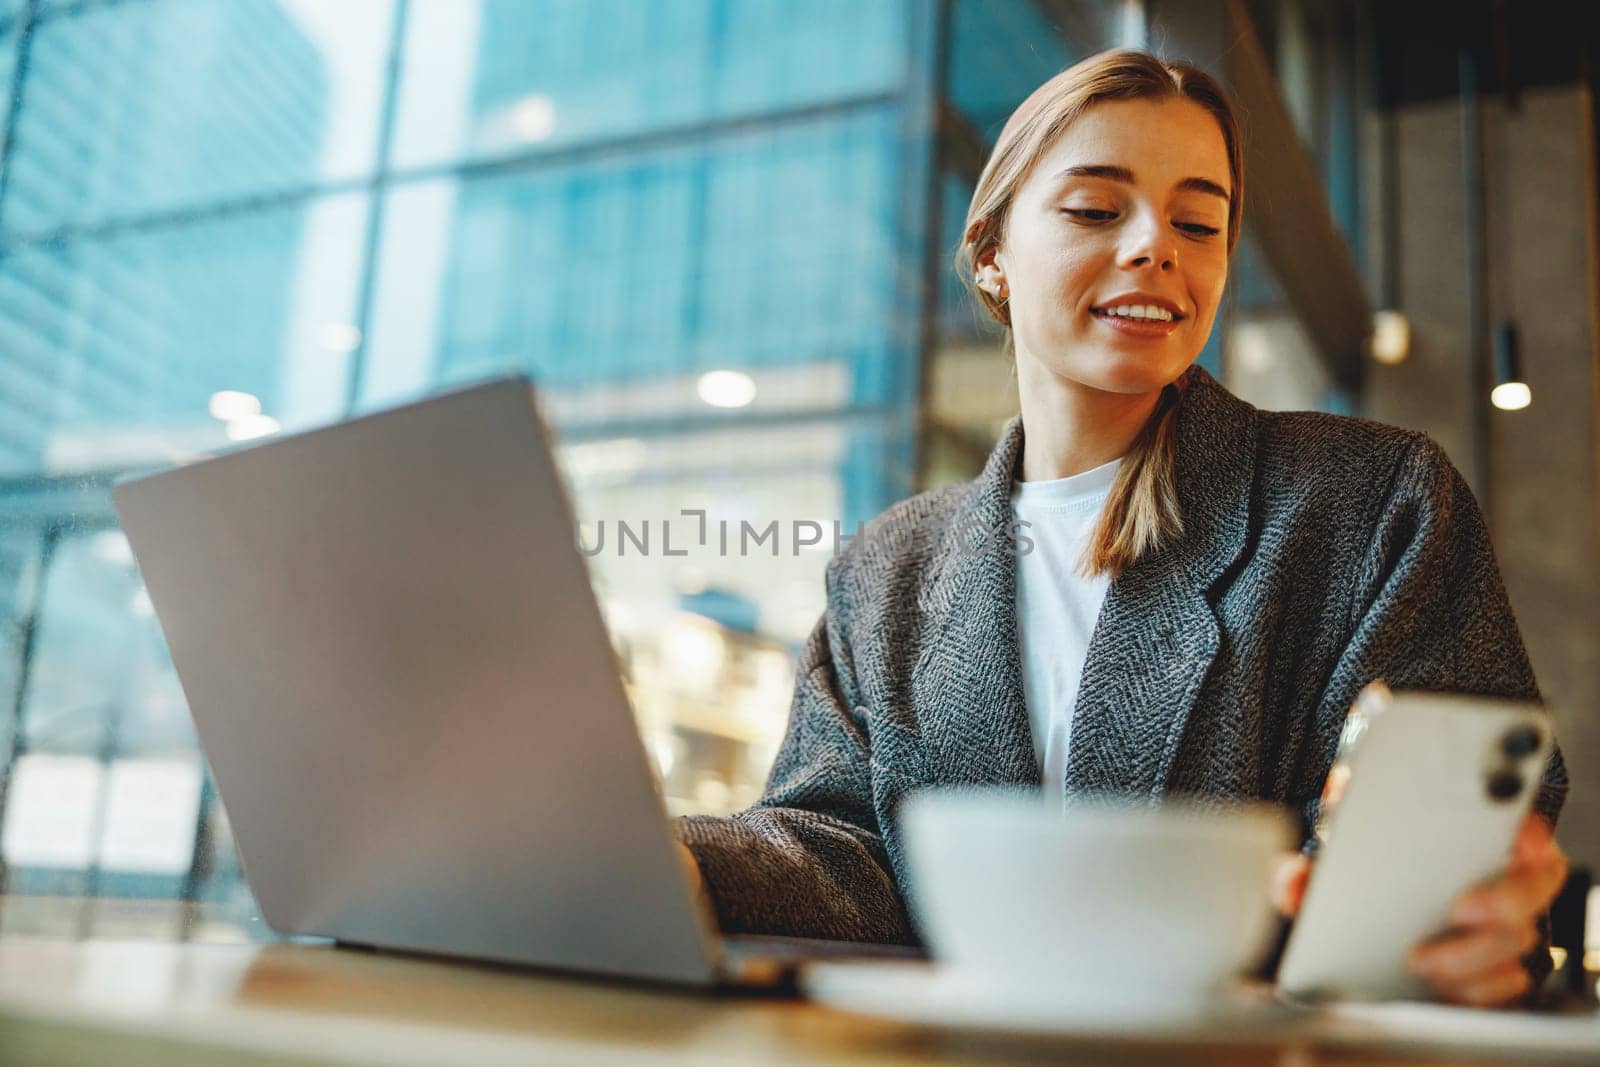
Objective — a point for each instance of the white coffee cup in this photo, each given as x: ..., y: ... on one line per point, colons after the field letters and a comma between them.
x: 1100, y: 899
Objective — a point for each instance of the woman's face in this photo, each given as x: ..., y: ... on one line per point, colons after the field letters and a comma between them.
x: 1128, y: 208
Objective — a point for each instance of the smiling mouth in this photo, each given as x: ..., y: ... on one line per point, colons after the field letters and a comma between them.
x: 1153, y: 327
x: 1146, y: 313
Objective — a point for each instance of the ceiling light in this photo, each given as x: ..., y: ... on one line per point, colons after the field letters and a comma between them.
x: 1511, y: 396
x: 1511, y: 392
x: 1391, y: 337
x: 533, y: 118
x: 229, y: 404
x: 727, y: 388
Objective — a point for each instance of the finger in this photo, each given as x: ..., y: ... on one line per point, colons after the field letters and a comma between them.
x: 1522, y: 892
x: 1492, y: 990
x: 1289, y: 884
x: 1535, y: 839
x: 1467, y: 957
x: 1297, y: 885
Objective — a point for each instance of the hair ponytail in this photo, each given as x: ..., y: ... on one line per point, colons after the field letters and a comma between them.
x: 1141, y: 511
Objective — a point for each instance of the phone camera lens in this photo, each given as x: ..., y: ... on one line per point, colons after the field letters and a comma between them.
x: 1523, y: 741
x: 1505, y: 785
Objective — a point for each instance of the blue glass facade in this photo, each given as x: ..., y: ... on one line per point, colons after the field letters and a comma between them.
x: 128, y: 112
x: 756, y: 247
x: 333, y: 208
x: 116, y: 342
x: 486, y: 80
x: 999, y: 54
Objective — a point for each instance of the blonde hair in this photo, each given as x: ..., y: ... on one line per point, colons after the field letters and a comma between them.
x: 1141, y: 514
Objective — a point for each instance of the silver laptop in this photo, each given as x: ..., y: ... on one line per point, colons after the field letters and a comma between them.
x: 396, y: 666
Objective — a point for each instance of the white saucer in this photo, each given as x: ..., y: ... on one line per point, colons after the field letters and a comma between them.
x: 936, y: 995
x: 933, y: 995
x: 1413, y: 1027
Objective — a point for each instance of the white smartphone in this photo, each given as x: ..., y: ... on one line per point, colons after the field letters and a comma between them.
x: 1424, y: 800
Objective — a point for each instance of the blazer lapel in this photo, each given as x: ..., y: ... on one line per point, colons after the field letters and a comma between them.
x: 1152, y: 645
x: 967, y: 684
x: 1157, y: 633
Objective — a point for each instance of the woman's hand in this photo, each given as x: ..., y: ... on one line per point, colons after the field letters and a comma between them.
x: 1479, y: 961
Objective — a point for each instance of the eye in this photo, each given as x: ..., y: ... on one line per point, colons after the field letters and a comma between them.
x: 1198, y: 229
x: 1092, y: 214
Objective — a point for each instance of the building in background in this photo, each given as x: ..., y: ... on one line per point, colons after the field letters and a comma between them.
x: 717, y: 234
x: 697, y: 225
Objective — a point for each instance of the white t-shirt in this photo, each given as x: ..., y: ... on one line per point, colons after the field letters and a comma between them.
x: 1056, y: 606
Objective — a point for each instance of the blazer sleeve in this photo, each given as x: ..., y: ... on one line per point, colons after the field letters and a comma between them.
x: 1431, y: 612
x: 807, y: 859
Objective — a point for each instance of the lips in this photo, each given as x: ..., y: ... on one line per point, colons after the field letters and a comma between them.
x: 1136, y: 327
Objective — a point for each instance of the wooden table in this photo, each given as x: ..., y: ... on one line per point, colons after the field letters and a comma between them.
x: 139, y: 1002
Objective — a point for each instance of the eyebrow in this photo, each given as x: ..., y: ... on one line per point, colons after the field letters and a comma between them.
x: 1123, y: 174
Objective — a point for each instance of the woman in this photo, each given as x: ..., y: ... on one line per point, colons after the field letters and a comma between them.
x: 1209, y: 585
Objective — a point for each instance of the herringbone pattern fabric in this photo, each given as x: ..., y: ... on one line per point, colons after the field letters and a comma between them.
x: 1320, y: 552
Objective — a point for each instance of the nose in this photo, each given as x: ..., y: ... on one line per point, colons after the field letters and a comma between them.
x: 1148, y: 243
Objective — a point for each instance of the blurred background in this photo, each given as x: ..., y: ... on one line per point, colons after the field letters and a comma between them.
x: 718, y: 234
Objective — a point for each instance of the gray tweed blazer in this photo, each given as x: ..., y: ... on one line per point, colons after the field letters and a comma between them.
x: 1320, y: 552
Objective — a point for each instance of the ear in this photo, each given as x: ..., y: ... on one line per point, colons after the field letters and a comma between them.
x: 989, y: 269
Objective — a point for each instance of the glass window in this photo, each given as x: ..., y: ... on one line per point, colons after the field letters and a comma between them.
x: 775, y: 54
x: 1315, y: 52
x: 20, y: 564
x: 999, y: 54
x: 8, y: 73
x: 79, y: 825
x: 960, y: 314
x: 152, y: 808
x: 50, y: 811
x: 713, y: 310
x: 100, y: 677
x: 818, y: 284
x: 972, y: 386
x: 108, y: 792
x: 707, y: 550
x: 174, y: 104
x: 116, y: 347
x: 616, y: 282
x: 484, y: 78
